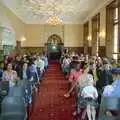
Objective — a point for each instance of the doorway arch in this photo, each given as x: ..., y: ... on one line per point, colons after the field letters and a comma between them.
x: 54, y: 39
x: 54, y: 46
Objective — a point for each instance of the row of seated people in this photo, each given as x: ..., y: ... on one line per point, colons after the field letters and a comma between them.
x: 20, y: 80
x: 91, y: 79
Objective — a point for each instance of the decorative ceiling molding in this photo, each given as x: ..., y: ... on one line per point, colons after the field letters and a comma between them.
x: 70, y: 11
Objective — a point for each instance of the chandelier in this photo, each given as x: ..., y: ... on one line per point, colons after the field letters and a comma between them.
x: 54, y: 20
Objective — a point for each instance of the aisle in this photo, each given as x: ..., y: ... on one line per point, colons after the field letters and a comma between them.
x: 50, y: 104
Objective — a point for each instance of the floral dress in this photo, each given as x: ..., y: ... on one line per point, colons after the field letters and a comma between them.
x: 10, y: 76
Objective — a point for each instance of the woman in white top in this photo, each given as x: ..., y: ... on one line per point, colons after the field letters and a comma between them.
x: 10, y: 75
x: 66, y: 63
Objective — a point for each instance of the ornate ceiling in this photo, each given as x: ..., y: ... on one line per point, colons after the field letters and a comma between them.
x: 38, y: 11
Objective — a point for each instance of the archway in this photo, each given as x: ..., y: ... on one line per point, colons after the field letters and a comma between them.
x: 54, y: 47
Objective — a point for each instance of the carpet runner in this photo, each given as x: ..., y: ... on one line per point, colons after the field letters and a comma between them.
x: 50, y: 103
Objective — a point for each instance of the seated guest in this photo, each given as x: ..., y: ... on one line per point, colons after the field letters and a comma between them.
x: 24, y: 72
x: 40, y: 64
x: 93, y: 71
x: 113, y: 90
x: 24, y: 76
x: 10, y: 75
x: 73, y: 63
x: 45, y: 61
x: 66, y: 63
x: 33, y: 74
x: 18, y: 65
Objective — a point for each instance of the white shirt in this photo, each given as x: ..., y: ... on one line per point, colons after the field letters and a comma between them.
x: 40, y: 64
x: 89, y: 91
x: 85, y: 80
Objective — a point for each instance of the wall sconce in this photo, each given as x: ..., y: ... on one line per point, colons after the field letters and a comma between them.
x: 23, y: 39
x: 89, y: 38
x: 102, y: 34
x: 115, y: 57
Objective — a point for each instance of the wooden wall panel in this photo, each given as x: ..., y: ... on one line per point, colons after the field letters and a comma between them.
x: 102, y: 51
x: 32, y: 49
x: 95, y: 33
x: 79, y: 50
x: 109, y: 31
x: 85, y: 35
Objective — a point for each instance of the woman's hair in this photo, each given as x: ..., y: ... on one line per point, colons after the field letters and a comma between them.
x: 24, y: 63
x: 8, y: 64
x: 82, y: 64
x: 75, y: 58
x: 66, y: 56
x: 85, y: 66
x: 31, y: 62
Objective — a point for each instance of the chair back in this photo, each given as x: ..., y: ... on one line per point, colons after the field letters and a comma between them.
x: 13, y: 108
x: 4, y: 88
x: 109, y: 104
x: 16, y: 91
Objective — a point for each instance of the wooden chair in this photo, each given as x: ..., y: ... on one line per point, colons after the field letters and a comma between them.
x: 13, y: 108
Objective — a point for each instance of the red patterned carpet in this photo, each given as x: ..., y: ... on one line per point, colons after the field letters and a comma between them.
x: 50, y: 103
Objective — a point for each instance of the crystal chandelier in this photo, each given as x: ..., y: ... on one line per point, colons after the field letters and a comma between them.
x: 54, y: 20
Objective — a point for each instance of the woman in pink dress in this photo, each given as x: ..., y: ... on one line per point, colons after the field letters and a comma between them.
x: 74, y: 75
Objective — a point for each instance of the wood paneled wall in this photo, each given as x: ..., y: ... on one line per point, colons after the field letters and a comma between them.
x: 32, y: 49
x: 95, y: 33
x: 79, y: 50
x: 109, y: 30
x: 102, y: 51
x: 42, y: 49
x: 86, y: 34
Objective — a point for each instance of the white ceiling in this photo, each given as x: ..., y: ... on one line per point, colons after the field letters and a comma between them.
x: 70, y: 11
